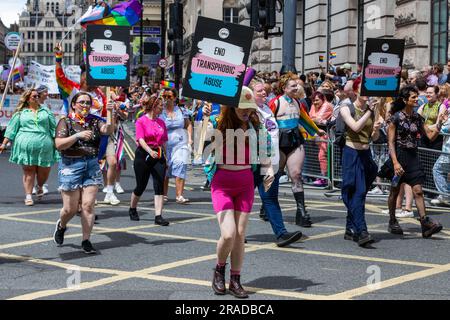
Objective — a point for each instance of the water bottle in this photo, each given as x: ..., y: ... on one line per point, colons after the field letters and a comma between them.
x: 395, y: 181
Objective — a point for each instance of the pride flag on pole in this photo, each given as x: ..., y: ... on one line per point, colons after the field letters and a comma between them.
x: 333, y: 55
x: 167, y: 84
x: 125, y: 13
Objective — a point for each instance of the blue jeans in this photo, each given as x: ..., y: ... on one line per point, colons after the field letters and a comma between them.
x: 358, y: 173
x: 441, y: 170
x: 272, y: 206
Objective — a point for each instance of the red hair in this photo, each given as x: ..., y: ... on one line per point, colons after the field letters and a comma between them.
x: 356, y: 83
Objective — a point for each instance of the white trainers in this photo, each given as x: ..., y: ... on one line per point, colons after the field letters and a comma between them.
x: 439, y: 201
x: 111, y: 199
x: 119, y: 188
x: 376, y: 191
x: 397, y: 211
x: 404, y: 214
x: 34, y: 190
x: 105, y: 190
x: 45, y: 188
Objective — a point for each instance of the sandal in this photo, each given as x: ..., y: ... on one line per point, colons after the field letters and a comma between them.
x: 166, y: 199
x: 29, y: 202
x: 182, y: 200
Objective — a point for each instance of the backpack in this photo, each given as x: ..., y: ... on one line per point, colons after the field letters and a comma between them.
x: 341, y: 126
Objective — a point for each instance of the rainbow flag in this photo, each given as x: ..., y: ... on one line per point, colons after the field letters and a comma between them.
x: 306, y: 122
x: 167, y: 84
x: 16, y: 75
x: 125, y: 13
x: 333, y: 55
x: 84, y: 53
x: 321, y: 58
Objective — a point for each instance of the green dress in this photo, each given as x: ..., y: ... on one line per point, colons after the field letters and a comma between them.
x: 33, y: 135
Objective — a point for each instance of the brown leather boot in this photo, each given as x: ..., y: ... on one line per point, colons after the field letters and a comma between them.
x: 218, y: 283
x: 236, y: 287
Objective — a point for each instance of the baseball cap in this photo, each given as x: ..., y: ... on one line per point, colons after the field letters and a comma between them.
x: 247, y: 100
x: 347, y: 66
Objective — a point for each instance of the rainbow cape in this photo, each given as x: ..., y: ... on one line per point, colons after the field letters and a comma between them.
x: 125, y: 13
x: 306, y: 122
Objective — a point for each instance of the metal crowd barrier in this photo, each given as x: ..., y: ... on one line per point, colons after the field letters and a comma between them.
x: 428, y: 158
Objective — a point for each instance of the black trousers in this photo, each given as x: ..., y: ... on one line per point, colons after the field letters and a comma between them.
x: 144, y: 166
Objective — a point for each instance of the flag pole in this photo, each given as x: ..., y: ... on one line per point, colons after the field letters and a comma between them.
x: 10, y: 74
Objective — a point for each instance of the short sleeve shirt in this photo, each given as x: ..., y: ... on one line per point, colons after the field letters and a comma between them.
x: 409, y: 129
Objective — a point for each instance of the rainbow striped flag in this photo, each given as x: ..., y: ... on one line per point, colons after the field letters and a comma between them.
x: 321, y: 58
x: 125, y: 13
x: 168, y: 84
x: 84, y: 53
x: 333, y: 55
x: 16, y: 75
x: 307, y: 123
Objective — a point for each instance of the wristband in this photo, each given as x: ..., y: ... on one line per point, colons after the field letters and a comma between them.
x: 3, y: 145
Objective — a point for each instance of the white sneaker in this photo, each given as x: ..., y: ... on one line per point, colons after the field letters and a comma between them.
x: 404, y: 214
x: 105, y: 190
x: 45, y: 188
x: 119, y: 188
x: 397, y: 211
x: 111, y: 199
x: 34, y: 190
x: 439, y: 201
x: 376, y: 191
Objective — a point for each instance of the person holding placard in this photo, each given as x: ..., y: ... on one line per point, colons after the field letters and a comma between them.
x: 232, y: 184
x: 78, y: 139
x: 32, y: 128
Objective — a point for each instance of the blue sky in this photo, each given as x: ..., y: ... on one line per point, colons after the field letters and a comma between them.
x: 10, y: 10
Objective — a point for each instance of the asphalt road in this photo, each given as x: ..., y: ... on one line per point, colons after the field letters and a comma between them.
x: 138, y: 260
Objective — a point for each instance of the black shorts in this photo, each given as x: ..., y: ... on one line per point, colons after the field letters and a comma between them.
x: 290, y: 140
x: 409, y: 160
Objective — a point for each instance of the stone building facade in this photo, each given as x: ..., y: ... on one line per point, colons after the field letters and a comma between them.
x: 3, y: 50
x: 343, y: 27
x: 44, y: 23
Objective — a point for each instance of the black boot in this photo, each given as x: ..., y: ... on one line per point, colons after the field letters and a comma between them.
x: 301, y: 217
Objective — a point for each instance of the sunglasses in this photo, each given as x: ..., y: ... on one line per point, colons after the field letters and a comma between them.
x: 84, y: 103
x: 34, y: 96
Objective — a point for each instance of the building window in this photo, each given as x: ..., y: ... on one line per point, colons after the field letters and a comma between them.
x: 40, y: 34
x: 48, y: 6
x: 58, y: 35
x: 439, y: 31
x: 53, y: 7
x: 57, y: 8
x: 49, y: 24
x: 40, y: 47
x: 231, y: 15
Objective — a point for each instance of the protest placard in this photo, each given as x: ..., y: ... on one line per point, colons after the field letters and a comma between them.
x: 382, y: 67
x: 218, y: 61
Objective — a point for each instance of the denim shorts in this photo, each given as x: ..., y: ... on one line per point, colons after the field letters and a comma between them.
x: 77, y: 173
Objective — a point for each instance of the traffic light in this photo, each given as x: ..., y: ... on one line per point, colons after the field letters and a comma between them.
x: 175, y: 32
x: 262, y: 14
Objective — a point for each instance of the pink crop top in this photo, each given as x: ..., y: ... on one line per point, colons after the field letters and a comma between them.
x: 154, y: 132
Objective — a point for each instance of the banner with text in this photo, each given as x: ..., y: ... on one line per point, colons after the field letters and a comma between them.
x: 10, y: 106
x: 39, y: 74
x: 108, y: 56
x: 218, y: 61
x: 382, y: 67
